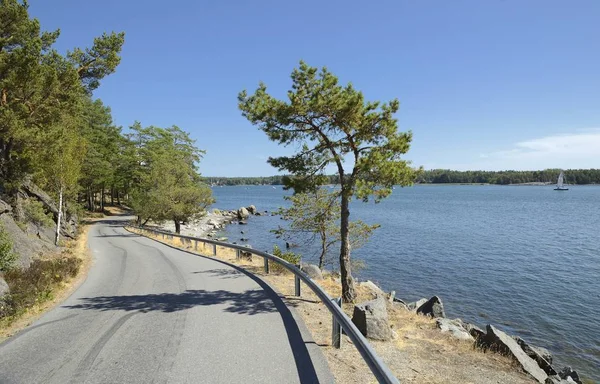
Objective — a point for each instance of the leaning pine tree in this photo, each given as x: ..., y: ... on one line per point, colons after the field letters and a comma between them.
x: 333, y: 124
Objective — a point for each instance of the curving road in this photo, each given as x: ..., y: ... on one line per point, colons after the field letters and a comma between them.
x: 148, y: 313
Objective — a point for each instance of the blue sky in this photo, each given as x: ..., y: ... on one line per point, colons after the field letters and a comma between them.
x: 482, y: 84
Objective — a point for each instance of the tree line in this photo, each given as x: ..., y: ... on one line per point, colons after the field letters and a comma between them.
x: 446, y: 176
x: 54, y: 133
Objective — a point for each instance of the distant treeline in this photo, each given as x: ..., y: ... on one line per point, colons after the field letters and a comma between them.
x: 446, y: 176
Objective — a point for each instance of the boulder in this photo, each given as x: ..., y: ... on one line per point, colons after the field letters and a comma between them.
x: 568, y: 373
x: 242, y: 222
x: 242, y: 213
x: 4, y: 207
x: 371, y: 318
x: 416, y: 304
x: 433, y: 307
x: 391, y: 296
x: 541, y: 355
x: 222, y: 239
x: 474, y: 331
x: 212, y: 223
x: 455, y: 327
x: 246, y: 254
x: 373, y: 288
x: 252, y: 210
x: 217, y: 212
x: 4, y: 289
x: 312, y: 271
x: 503, y: 343
x: 258, y: 214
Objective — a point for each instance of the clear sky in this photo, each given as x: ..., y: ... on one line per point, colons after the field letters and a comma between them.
x: 483, y: 84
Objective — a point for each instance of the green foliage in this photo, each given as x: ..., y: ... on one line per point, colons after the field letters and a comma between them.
x: 333, y: 125
x: 168, y: 185
x: 290, y: 257
x: 34, y: 285
x: 35, y: 213
x: 572, y: 176
x: 314, y: 218
x: 8, y: 257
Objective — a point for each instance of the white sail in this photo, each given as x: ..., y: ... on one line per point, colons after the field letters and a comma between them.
x: 561, y: 177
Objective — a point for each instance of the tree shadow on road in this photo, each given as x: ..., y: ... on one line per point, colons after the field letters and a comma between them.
x: 250, y: 302
x: 224, y: 273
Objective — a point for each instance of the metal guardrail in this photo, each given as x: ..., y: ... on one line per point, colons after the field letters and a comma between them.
x: 340, y: 319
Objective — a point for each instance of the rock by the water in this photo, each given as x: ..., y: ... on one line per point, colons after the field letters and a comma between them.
x: 433, y: 307
x: 455, y: 327
x: 217, y: 212
x: 242, y: 213
x: 312, y: 271
x: 4, y: 289
x: 557, y: 380
x: 242, y: 222
x: 242, y: 232
x: 474, y: 331
x: 541, y: 355
x: 258, y: 214
x: 371, y: 286
x: 371, y: 319
x: 252, y: 210
x: 243, y: 239
x: 567, y: 373
x: 416, y: 304
x: 391, y: 296
x: 503, y: 343
x: 222, y: 239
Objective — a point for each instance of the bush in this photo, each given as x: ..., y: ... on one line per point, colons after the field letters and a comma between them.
x: 36, y: 284
x: 8, y: 258
x: 290, y: 257
x: 36, y: 214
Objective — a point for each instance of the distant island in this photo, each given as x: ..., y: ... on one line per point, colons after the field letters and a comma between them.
x: 446, y: 176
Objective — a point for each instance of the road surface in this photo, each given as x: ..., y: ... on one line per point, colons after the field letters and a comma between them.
x: 148, y: 313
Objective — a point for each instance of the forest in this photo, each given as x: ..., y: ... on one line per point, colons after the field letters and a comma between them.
x: 446, y: 176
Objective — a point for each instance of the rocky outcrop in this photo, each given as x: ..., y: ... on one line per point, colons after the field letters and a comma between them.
x: 474, y: 331
x: 373, y: 288
x: 503, y: 343
x: 568, y: 373
x: 251, y: 210
x: 433, y: 307
x: 541, y: 355
x: 312, y: 271
x: 416, y: 304
x: 371, y: 318
x: 454, y: 327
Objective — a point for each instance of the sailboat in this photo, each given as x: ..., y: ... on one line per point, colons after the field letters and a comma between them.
x: 560, y: 183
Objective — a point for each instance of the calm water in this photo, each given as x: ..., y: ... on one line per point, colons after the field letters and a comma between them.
x: 524, y: 258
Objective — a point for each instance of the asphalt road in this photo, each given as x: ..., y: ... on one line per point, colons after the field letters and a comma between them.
x: 148, y: 313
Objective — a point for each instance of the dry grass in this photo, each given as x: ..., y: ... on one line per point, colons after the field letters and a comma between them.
x: 420, y: 353
x: 74, y: 248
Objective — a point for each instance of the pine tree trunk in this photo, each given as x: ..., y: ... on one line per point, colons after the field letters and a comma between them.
x: 118, y: 197
x: 60, y: 212
x: 348, y: 293
x: 102, y: 199
x: 177, y: 226
x: 112, y: 196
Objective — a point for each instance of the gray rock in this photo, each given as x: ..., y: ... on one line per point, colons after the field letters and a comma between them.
x: 371, y: 319
x: 242, y: 213
x: 416, y: 304
x: 217, y: 212
x: 222, y: 239
x: 312, y: 271
x: 455, y: 327
x: 433, y: 307
x: 4, y: 207
x: 541, y: 355
x: 474, y: 331
x: 503, y: 343
x: 557, y: 380
x: 258, y: 214
x: 4, y: 289
x: 246, y: 254
x: 252, y: 210
x: 371, y: 286
x: 568, y: 373
x: 242, y: 222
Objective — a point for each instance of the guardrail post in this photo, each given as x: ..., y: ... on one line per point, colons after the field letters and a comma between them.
x: 237, y: 254
x: 336, y: 331
x: 163, y: 236
x: 266, y: 265
x: 297, y: 283
x: 195, y: 245
x: 214, y: 249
